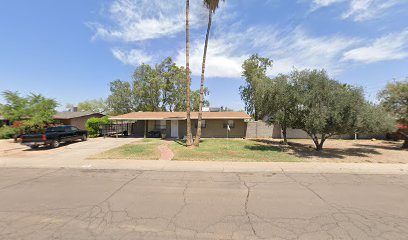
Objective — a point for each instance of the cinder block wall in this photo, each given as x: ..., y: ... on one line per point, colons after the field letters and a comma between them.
x: 260, y: 129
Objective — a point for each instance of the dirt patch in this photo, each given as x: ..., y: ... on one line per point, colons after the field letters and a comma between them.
x: 165, y: 151
x: 350, y: 151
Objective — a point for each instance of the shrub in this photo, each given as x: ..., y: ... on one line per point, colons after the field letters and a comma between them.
x: 93, y: 125
x: 7, y: 132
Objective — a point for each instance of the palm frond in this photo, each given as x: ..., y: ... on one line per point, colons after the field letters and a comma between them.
x: 212, y: 5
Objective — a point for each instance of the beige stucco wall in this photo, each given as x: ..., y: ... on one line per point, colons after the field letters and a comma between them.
x: 215, y: 129
x: 151, y: 125
x: 78, y: 122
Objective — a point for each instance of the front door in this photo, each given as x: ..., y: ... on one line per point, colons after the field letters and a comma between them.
x: 174, y: 129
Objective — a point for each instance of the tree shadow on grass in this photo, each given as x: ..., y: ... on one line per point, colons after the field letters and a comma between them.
x: 182, y: 142
x: 394, y: 146
x: 306, y: 151
x: 264, y: 148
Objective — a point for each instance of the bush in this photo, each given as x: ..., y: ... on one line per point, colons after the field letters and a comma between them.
x: 93, y: 125
x: 7, y: 132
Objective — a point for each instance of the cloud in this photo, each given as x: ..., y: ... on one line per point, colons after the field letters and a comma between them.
x: 133, y: 57
x: 223, y: 57
x: 324, y: 3
x: 360, y: 10
x: 139, y: 20
x: 228, y: 50
x: 393, y: 46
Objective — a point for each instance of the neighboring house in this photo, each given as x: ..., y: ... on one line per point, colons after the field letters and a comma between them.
x: 173, y: 124
x: 77, y: 119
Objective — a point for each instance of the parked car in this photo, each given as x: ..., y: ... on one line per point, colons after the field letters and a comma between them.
x: 54, y: 136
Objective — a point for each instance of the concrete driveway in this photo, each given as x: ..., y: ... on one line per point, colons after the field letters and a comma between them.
x: 122, y: 204
x: 68, y: 151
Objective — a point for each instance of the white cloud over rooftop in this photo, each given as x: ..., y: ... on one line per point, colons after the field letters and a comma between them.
x: 139, y: 21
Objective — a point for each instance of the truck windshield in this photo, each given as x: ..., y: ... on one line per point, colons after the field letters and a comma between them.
x: 56, y: 129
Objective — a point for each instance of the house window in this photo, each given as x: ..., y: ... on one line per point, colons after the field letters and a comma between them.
x: 203, y: 124
x: 161, y: 125
x: 229, y: 123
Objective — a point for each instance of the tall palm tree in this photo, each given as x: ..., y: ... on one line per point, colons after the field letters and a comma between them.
x: 189, y: 139
x: 211, y: 5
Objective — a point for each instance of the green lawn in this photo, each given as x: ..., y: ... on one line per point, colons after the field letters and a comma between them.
x: 231, y: 150
x: 147, y: 149
x: 238, y: 150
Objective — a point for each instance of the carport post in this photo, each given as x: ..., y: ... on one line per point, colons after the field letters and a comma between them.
x: 145, y: 125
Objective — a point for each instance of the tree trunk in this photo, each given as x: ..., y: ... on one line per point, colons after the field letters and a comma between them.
x: 319, y: 147
x: 405, y: 135
x: 189, y: 140
x: 284, y: 134
x: 200, y: 108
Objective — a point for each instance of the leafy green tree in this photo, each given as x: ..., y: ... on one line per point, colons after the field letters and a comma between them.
x: 41, y: 111
x: 195, y: 100
x: 375, y: 119
x: 395, y: 98
x: 255, y: 72
x: 120, y: 101
x: 147, y: 88
x: 178, y: 95
x: 326, y: 107
x: 16, y: 106
x: 211, y: 5
x: 173, y: 90
x: 278, y: 101
x: 95, y: 105
x: 33, y: 111
x: 1, y: 108
x: 158, y: 88
x: 93, y: 125
x: 7, y: 132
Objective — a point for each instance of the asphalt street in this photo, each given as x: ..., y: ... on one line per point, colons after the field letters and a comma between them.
x: 128, y: 204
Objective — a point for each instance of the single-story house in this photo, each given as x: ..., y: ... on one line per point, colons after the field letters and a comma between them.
x: 174, y: 124
x: 77, y: 119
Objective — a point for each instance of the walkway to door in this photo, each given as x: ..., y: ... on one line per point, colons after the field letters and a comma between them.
x: 165, y: 151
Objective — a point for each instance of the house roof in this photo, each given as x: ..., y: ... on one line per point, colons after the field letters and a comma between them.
x: 70, y: 115
x: 180, y: 115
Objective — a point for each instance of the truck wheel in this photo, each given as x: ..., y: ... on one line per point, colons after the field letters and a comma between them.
x: 55, y: 144
x: 84, y: 137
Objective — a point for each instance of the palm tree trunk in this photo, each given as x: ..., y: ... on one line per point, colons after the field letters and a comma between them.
x: 189, y: 140
x: 200, y: 108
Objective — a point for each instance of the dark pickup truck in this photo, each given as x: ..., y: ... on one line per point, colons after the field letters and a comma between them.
x: 54, y: 136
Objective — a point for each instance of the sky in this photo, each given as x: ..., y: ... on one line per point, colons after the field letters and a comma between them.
x: 70, y: 50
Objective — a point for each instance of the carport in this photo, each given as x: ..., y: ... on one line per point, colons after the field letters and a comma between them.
x: 142, y: 123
